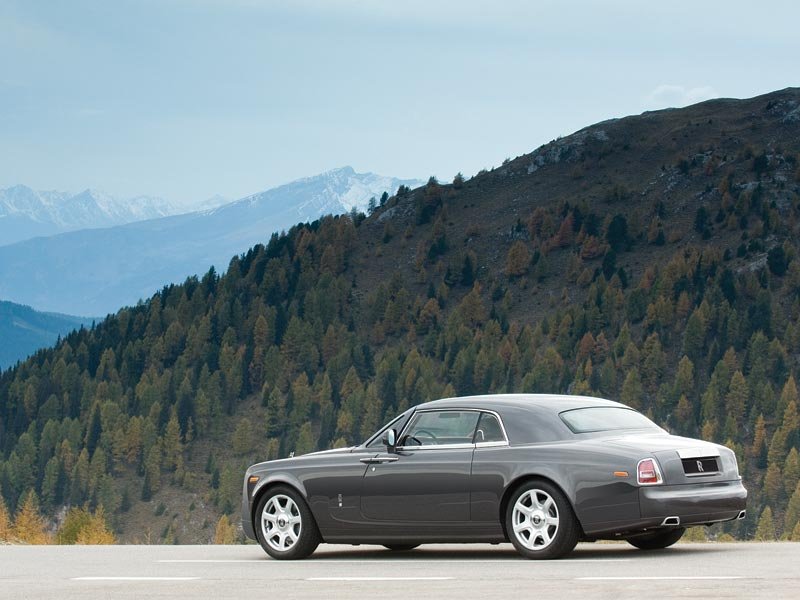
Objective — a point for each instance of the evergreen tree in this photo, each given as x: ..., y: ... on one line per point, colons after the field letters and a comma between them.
x: 632, y: 390
x: 765, y: 531
x: 737, y: 398
x: 792, y: 515
x: 172, y: 445
x: 791, y: 471
x: 29, y: 525
x: 6, y: 528
x: 518, y: 259
x: 225, y: 531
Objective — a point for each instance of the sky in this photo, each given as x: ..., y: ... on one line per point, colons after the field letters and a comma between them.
x: 187, y: 99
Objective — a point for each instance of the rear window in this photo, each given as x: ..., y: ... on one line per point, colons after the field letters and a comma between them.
x: 605, y: 418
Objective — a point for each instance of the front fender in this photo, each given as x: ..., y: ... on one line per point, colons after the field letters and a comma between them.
x: 266, y: 480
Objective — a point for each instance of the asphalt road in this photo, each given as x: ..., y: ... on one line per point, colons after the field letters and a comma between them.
x: 466, y: 572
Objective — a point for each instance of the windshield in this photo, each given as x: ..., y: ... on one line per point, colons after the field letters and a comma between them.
x: 605, y: 418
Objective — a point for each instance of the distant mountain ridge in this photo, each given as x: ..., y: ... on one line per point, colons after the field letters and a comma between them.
x: 27, y: 213
x: 23, y: 331
x: 96, y: 271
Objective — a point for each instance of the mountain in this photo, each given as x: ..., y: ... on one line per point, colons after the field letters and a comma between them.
x: 653, y: 259
x: 96, y: 271
x: 26, y: 213
x: 23, y: 331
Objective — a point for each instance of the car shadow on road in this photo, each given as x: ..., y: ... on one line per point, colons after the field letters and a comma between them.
x: 507, y: 552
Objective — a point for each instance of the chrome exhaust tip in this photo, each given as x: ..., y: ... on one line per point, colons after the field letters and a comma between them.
x: 742, y: 515
x: 671, y: 522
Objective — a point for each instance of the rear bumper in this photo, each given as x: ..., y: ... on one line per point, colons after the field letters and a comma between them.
x: 693, y: 504
x: 696, y: 503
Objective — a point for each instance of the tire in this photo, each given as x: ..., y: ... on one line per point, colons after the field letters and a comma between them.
x: 657, y: 541
x: 540, y: 521
x: 284, y: 525
x: 400, y: 547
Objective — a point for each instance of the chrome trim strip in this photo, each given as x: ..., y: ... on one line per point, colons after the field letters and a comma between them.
x: 707, y: 452
x: 436, y: 447
x: 491, y: 445
x: 703, y: 474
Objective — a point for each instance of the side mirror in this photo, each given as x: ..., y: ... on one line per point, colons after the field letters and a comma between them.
x: 389, y: 439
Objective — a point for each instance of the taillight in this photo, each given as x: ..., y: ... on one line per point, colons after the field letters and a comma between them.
x: 648, y: 473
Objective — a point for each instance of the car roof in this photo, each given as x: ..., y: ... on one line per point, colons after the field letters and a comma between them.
x: 553, y: 402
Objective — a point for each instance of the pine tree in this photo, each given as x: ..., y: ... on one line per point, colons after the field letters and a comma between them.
x: 694, y: 336
x: 792, y: 515
x: 94, y: 431
x: 795, y: 535
x: 225, y: 531
x: 172, y: 445
x: 791, y: 471
x: 632, y: 390
x: 773, y: 484
x: 243, y: 437
x: 81, y: 526
x: 765, y: 531
x: 29, y: 525
x: 737, y: 397
x: 96, y: 530
x: 305, y: 440
x: 518, y: 259
x: 5, y: 522
x: 759, y: 444
x: 684, y: 377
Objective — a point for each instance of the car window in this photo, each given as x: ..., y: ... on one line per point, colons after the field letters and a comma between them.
x: 605, y: 418
x: 438, y: 427
x: 489, y: 429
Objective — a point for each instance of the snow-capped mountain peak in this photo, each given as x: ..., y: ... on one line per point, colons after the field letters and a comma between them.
x: 332, y: 192
x: 26, y: 213
x: 95, y: 271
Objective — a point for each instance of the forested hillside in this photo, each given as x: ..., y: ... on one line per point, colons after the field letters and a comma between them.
x: 651, y: 259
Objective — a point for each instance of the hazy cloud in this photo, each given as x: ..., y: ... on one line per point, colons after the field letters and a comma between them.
x: 676, y: 96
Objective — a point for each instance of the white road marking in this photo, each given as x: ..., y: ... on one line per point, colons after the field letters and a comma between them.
x: 134, y: 578
x: 665, y: 578
x: 209, y: 560
x: 519, y: 561
x: 379, y: 578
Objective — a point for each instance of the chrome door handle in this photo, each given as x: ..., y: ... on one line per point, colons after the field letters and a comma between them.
x: 374, y: 460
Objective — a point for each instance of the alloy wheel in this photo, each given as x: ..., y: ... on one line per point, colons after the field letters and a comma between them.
x: 535, y: 519
x: 281, y: 523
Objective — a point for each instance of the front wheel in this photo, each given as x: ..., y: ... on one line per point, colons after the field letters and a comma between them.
x: 284, y: 525
x: 540, y: 522
x: 657, y: 541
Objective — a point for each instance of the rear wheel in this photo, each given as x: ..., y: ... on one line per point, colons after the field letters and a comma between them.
x: 656, y: 541
x: 540, y: 522
x: 284, y: 525
x: 400, y: 547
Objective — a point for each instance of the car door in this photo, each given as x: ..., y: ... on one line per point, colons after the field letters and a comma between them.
x: 427, y: 478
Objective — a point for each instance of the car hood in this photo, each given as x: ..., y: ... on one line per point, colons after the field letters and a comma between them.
x: 293, y: 459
